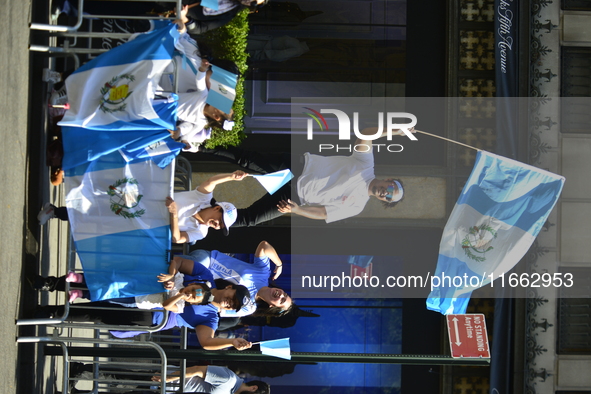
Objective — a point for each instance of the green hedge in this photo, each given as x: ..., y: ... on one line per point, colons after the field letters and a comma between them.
x: 229, y: 42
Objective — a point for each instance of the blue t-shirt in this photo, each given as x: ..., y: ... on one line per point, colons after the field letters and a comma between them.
x: 193, y: 315
x: 251, y: 275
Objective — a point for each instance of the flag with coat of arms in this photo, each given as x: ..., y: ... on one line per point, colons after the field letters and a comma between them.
x: 120, y: 224
x: 222, y: 92
x: 499, y: 213
x: 112, y: 103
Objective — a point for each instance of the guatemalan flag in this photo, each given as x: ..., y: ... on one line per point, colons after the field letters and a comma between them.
x: 112, y: 102
x: 120, y: 223
x: 499, y: 213
x: 223, y: 89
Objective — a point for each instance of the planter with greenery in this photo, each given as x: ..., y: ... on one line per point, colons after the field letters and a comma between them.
x: 229, y: 42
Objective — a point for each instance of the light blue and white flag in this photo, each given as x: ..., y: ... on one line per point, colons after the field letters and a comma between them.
x: 111, y: 99
x: 276, y: 348
x: 273, y: 181
x: 223, y: 89
x: 120, y: 224
x: 496, y: 219
x: 162, y: 152
x: 212, y: 4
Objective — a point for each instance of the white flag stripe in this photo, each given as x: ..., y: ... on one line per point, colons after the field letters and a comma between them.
x: 91, y: 210
x: 224, y: 90
x: 509, y: 244
x: 84, y: 89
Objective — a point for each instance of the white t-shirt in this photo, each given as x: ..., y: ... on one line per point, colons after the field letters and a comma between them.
x: 338, y: 183
x: 192, y: 90
x: 188, y: 204
x: 218, y: 380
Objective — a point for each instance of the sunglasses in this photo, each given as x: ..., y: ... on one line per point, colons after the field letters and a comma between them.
x: 390, y: 192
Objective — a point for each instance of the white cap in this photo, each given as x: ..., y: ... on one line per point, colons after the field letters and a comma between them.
x: 230, y: 215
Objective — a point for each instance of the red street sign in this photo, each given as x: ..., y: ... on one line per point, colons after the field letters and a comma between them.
x: 467, y: 336
x: 360, y: 271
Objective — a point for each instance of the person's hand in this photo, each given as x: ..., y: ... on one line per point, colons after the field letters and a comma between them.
x: 169, y: 378
x: 278, y: 271
x: 287, y: 206
x: 183, y: 14
x: 175, y: 134
x: 184, y: 296
x: 171, y: 205
x: 204, y: 65
x: 166, y: 280
x: 241, y: 344
x: 239, y: 175
x: 180, y: 25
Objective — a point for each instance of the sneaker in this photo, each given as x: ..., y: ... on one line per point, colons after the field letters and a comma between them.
x: 59, y: 97
x: 51, y: 76
x: 73, y: 277
x: 74, y: 294
x: 46, y: 213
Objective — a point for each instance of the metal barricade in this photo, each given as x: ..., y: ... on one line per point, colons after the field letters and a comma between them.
x: 75, y: 32
x: 105, y: 374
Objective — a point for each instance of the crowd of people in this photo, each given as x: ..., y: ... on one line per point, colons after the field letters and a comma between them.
x: 209, y: 291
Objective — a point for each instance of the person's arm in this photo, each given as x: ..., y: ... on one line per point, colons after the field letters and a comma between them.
x: 265, y: 249
x: 209, y: 185
x: 310, y: 212
x: 177, y: 264
x: 205, y: 335
x: 177, y: 236
x: 170, y: 304
x: 371, y: 131
x: 197, y: 370
x: 200, y: 77
x: 181, y: 24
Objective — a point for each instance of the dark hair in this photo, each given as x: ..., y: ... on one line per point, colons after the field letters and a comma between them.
x: 204, y: 51
x: 392, y: 204
x: 211, y: 122
x: 241, y: 290
x: 206, y: 292
x: 264, y: 309
x: 262, y: 387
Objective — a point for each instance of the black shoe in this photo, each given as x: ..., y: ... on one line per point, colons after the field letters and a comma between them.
x: 46, y: 312
x: 45, y: 284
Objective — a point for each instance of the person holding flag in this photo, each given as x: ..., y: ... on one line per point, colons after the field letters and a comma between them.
x: 326, y: 188
x: 196, y: 112
x: 194, y: 212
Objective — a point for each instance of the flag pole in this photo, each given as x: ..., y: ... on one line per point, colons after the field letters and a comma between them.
x: 447, y: 139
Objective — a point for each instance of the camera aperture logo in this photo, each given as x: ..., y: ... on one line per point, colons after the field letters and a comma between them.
x: 345, y: 130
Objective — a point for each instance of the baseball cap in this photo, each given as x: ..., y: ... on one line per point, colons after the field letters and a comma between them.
x: 229, y: 216
x: 242, y: 296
